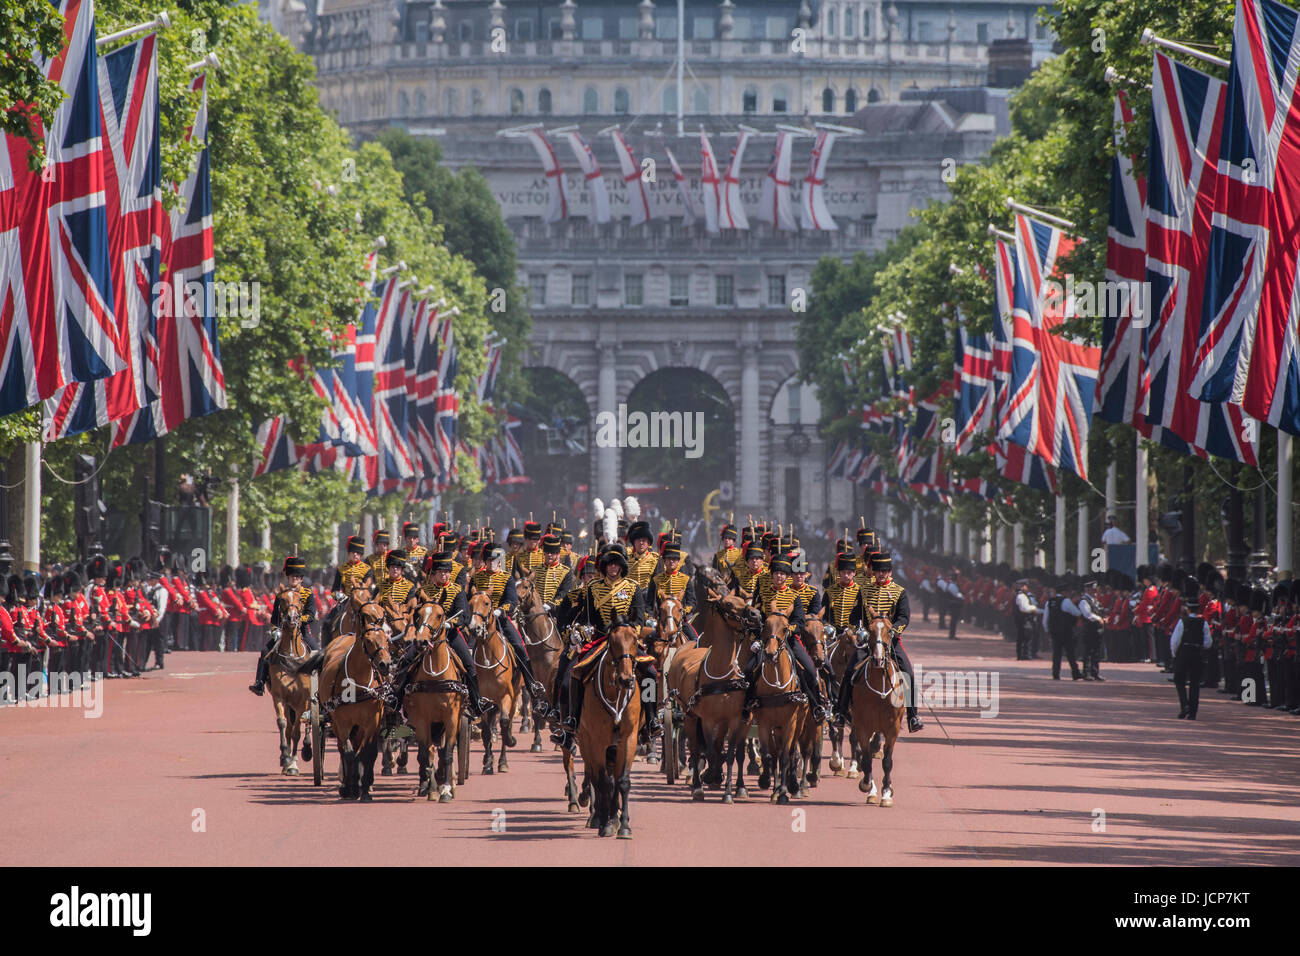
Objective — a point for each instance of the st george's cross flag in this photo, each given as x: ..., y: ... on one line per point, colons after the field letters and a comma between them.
x: 731, y: 214
x: 638, y: 198
x: 590, y: 168
x: 688, y: 201
x: 710, y: 184
x: 775, y: 207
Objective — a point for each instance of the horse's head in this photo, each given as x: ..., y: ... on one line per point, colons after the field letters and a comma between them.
x: 880, y: 633
x: 622, y: 646
x: 374, y: 641
x: 670, y: 618
x: 775, y: 626
x: 814, y: 633
x: 480, y: 614
x: 362, y: 595
x: 429, y: 621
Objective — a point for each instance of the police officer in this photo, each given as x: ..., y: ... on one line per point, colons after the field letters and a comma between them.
x: 1059, y: 617
x: 295, y: 569
x: 1188, y: 642
x: 1027, y: 611
x: 1091, y: 621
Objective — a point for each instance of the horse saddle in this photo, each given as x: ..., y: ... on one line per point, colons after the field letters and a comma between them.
x: 310, y: 664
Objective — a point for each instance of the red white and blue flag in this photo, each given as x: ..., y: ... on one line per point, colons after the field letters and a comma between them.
x: 1247, y: 335
x: 57, y: 320
x: 1182, y: 170
x: 1053, y: 376
x: 447, y: 405
x: 128, y: 95
x: 389, y: 406
x: 973, y: 387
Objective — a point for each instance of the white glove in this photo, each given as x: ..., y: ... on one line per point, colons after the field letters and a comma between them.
x: 546, y: 608
x: 498, y: 612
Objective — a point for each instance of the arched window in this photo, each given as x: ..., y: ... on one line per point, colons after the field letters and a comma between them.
x: 849, y: 27
x: 749, y: 100
x: 420, y: 103
x: 476, y: 102
x: 403, y: 103
x: 669, y: 100
x: 851, y: 101
x: 544, y: 101
x: 516, y: 102
x: 780, y: 99
x: 828, y: 100
x: 831, y: 14
x: 590, y: 100
x: 700, y: 100
x: 622, y: 101
x: 873, y: 95
x: 451, y: 101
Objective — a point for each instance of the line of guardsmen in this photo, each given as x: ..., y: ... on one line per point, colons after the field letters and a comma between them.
x: 1245, y: 644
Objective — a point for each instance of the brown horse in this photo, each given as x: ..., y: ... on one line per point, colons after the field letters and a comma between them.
x: 361, y: 595
x: 782, y: 706
x: 667, y: 635
x: 811, y: 731
x: 607, y: 731
x: 352, y: 687
x: 499, y: 679
x: 710, y: 682
x: 841, y: 652
x: 434, y: 701
x: 542, y: 641
x: 878, y: 707
x: 289, y: 683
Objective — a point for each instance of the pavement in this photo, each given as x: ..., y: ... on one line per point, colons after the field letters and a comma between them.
x: 181, y: 769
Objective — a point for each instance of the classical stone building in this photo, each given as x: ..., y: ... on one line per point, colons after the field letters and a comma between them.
x: 613, y: 303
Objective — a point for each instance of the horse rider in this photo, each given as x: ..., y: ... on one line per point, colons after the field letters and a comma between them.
x: 774, y: 594
x: 295, y: 569
x: 415, y: 551
x: 553, y: 581
x: 727, y: 554
x: 644, y: 560
x: 567, y: 557
x: 396, y: 594
x: 675, y: 583
x: 499, y: 585
x: 348, y: 576
x: 812, y: 598
x: 610, y: 600
x: 532, y: 557
x: 439, y: 588
x: 514, y: 545
x: 882, y: 596
x: 378, y: 559
x: 747, y: 572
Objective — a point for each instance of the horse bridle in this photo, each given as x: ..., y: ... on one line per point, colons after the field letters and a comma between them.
x: 887, y: 658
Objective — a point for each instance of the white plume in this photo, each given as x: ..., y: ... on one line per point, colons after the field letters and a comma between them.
x: 611, y: 525
x: 615, y: 506
x: 598, y: 508
x: 633, y: 508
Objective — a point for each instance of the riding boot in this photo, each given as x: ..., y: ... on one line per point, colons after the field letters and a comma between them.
x: 569, y: 728
x: 820, y: 705
x: 843, y: 714
x: 914, y: 722
x: 751, y: 688
x: 535, y: 687
x: 477, y: 703
x: 653, y: 727
x: 263, y: 675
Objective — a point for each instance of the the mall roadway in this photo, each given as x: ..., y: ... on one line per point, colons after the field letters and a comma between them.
x: 1027, y: 786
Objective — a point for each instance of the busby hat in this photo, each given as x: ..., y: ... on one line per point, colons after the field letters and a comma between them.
x: 754, y: 551
x: 410, y: 530
x: 551, y: 544
x: 294, y: 565
x: 1258, y: 599
x: 32, y: 586
x: 566, y: 537
x: 14, y: 587
x: 395, y: 559
x: 514, y: 536
x: 863, y: 535
x: 475, y: 549
x: 437, y: 561
x: 881, y: 561
x: 672, y: 552
x: 639, y: 531
x: 54, y: 587
x: 381, y: 536
x: 746, y: 534
x: 493, y: 551
x: 532, y: 531
x: 71, y: 582
x: 845, y: 561
x: 613, y: 554
x: 98, y: 567
x: 584, y: 565
x: 244, y: 576
x: 728, y: 532
x: 1166, y: 573
x: 356, y: 544
x: 113, y: 575
x: 780, y: 564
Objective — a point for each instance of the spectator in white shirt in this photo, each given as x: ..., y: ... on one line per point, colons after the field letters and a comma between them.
x: 1026, y: 612
x: 1113, y: 533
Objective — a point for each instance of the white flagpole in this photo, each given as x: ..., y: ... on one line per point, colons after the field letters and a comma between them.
x: 1285, y: 534
x: 1141, y: 527
x: 160, y: 22
x: 947, y: 533
x: 681, y: 63
x: 232, y: 520
x: 1059, y: 543
x: 32, y: 509
x: 1149, y: 37
x: 1018, y: 545
x: 1081, y: 546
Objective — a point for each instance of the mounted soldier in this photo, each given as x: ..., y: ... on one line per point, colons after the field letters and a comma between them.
x: 746, y: 573
x: 295, y: 570
x: 774, y: 595
x: 415, y: 551
x: 499, y: 586
x: 727, y: 553
x: 886, y: 598
x: 439, y: 588
x: 378, y: 559
x: 348, y: 576
x: 644, y: 560
x: 396, y: 594
x: 673, y: 582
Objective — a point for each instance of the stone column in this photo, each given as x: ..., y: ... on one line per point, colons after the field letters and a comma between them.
x: 748, y: 463
x: 232, y: 523
x: 607, y: 401
x: 32, y: 509
x: 1081, y: 547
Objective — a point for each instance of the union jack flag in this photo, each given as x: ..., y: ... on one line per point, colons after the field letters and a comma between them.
x: 973, y: 386
x: 388, y: 408
x: 1054, y: 378
x: 57, y: 320
x: 1186, y: 126
x: 128, y: 94
x: 1247, y: 335
x: 191, y: 380
x: 1022, y: 466
x: 447, y: 405
x: 278, y: 451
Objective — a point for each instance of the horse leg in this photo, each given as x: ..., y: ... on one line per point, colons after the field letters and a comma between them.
x: 624, y: 815
x: 389, y: 747
x: 868, y: 784
x: 507, y: 738
x: 348, y: 763
x: 486, y: 725
x: 887, y: 767
x: 854, y: 757
x: 369, y: 752
x: 282, y: 723
x: 403, y: 753
x: 698, y: 753
x: 727, y: 754
x: 836, y: 764
x: 571, y: 785
x: 293, y: 730
x: 741, y: 791
x: 608, y: 803
x: 422, y: 735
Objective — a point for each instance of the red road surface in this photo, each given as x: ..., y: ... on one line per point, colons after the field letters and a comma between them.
x: 1027, y: 786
